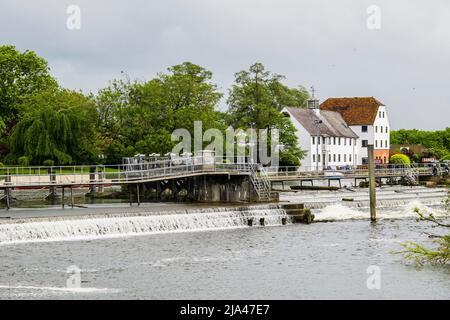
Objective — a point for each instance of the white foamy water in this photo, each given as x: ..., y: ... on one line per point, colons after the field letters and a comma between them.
x: 85, y: 228
x: 338, y: 212
x: 387, y: 197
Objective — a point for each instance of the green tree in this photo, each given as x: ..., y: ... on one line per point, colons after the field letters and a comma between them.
x: 256, y: 99
x: 21, y: 74
x: 437, y: 142
x: 56, y: 125
x: 136, y: 117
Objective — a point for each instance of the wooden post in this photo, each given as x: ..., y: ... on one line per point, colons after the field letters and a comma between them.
x: 137, y: 192
x: 372, y: 184
x: 129, y: 192
x: 71, y: 196
x: 7, y: 190
x: 7, y: 199
x: 62, y: 199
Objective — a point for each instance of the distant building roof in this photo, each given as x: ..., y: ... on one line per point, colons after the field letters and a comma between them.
x: 356, y: 110
x: 332, y: 123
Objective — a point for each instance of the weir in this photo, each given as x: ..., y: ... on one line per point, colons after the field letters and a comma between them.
x: 142, y: 223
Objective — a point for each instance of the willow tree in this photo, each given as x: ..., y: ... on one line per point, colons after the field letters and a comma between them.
x: 56, y: 125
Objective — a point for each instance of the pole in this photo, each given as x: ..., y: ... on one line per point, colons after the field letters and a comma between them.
x: 317, y: 153
x: 372, y: 193
x: 71, y: 196
x: 137, y: 192
x: 7, y: 199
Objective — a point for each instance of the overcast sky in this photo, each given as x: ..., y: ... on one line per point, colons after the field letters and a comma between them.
x: 405, y: 63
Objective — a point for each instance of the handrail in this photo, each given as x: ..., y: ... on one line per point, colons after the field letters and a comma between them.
x: 74, y: 178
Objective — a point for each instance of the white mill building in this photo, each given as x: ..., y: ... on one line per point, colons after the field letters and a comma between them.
x: 327, y: 139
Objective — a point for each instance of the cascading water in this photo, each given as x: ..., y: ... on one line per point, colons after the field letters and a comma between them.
x: 115, y: 225
x: 359, y: 198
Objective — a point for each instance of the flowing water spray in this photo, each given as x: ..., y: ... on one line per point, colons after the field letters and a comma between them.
x: 118, y: 225
x: 337, y: 212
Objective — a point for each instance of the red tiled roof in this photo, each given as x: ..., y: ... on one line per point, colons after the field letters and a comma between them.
x: 355, y: 111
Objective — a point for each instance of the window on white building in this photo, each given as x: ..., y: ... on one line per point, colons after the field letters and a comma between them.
x: 386, y: 144
x: 345, y: 141
x: 334, y: 140
x: 376, y: 143
x: 376, y: 129
x: 339, y: 141
x: 386, y: 130
x: 345, y: 157
x: 334, y: 157
x: 363, y: 128
x: 379, y: 114
x: 381, y: 128
x: 364, y: 143
x: 314, y: 158
x: 339, y: 157
x: 313, y: 140
x: 350, y: 158
x: 329, y: 157
x: 351, y: 141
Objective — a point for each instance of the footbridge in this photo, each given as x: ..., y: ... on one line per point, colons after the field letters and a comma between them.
x: 197, y: 178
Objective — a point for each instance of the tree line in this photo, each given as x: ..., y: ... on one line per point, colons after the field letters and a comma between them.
x: 44, y: 123
x: 437, y: 142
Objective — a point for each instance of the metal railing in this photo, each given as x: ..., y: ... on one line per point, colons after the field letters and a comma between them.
x: 348, y: 171
x: 148, y: 171
x: 114, y: 174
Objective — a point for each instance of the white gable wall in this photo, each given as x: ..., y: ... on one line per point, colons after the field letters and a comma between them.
x: 376, y: 134
x: 337, y: 151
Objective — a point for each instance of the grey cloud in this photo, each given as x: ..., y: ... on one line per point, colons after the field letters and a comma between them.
x: 325, y: 43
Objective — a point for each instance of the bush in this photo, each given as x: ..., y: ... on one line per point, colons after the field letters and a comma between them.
x: 400, y: 159
x: 23, y: 161
x: 447, y: 157
x: 49, y: 163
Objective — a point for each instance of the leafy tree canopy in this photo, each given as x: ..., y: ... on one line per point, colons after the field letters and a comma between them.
x: 140, y: 117
x: 56, y: 125
x: 21, y: 74
x: 256, y: 99
x: 438, y: 142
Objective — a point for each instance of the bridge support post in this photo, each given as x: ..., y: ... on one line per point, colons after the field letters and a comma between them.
x: 101, y: 177
x: 52, y: 189
x: 137, y: 193
x: 7, y: 191
x: 62, y: 198
x: 130, y: 195
x: 71, y: 196
x: 92, y: 186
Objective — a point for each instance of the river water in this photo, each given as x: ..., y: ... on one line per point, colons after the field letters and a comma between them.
x: 213, y: 254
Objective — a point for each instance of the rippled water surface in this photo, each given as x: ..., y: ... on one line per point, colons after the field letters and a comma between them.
x: 321, y: 260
